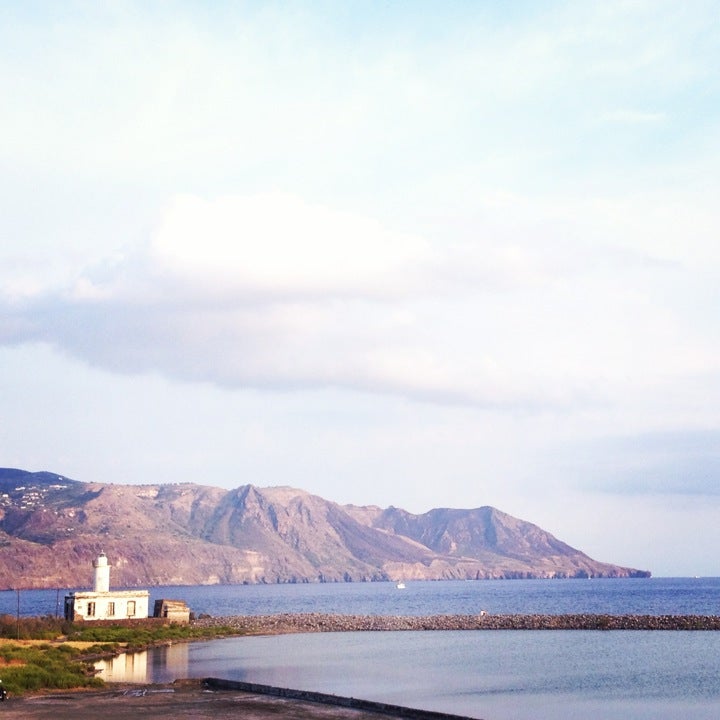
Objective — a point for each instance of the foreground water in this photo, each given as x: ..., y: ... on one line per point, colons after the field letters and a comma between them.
x: 496, y: 675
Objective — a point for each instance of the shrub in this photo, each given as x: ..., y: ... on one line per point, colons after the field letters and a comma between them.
x: 31, y: 628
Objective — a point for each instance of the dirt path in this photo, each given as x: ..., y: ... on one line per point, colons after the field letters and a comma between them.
x: 174, y: 701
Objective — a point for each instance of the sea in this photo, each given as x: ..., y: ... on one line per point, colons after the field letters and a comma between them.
x: 495, y: 675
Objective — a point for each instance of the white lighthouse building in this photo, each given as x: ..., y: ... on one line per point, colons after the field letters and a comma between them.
x: 101, y: 603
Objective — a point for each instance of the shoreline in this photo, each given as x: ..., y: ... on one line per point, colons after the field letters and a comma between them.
x: 326, y: 622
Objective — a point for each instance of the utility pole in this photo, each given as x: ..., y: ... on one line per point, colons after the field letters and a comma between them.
x: 18, y: 612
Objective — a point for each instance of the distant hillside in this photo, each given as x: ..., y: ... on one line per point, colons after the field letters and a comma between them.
x: 51, y: 527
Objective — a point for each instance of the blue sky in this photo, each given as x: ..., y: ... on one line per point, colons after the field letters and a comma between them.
x: 422, y: 254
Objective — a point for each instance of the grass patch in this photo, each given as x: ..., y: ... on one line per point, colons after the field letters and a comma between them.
x: 141, y: 637
x: 35, y: 667
x: 137, y: 635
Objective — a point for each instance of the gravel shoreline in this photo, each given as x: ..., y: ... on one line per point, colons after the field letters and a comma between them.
x: 323, y: 622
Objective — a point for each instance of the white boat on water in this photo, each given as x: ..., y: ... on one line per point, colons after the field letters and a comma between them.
x: 400, y: 585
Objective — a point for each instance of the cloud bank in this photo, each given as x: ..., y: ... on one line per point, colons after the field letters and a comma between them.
x: 271, y: 291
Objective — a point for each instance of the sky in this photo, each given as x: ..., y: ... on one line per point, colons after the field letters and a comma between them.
x: 422, y: 254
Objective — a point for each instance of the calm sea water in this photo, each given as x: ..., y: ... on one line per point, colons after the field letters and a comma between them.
x: 654, y: 596
x: 499, y: 675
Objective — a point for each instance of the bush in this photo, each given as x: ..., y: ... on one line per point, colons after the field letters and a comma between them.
x: 31, y: 628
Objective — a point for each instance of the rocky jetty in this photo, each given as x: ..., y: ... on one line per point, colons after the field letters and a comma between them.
x: 321, y: 622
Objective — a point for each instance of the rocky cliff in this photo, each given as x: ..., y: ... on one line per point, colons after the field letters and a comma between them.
x: 51, y: 527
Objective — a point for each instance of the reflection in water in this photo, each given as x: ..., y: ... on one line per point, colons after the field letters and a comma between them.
x: 166, y: 662
x: 169, y: 661
x: 128, y: 667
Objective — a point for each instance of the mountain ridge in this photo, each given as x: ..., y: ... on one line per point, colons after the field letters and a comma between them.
x: 51, y: 527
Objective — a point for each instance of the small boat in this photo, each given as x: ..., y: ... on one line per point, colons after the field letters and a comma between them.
x: 400, y: 585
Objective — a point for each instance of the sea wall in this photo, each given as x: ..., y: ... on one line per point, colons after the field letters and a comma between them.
x: 397, y: 711
x: 321, y: 622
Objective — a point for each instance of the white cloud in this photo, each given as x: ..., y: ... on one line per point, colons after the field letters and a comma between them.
x: 271, y: 291
x: 279, y: 245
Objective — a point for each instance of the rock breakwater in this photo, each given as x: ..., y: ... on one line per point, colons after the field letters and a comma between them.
x: 323, y: 622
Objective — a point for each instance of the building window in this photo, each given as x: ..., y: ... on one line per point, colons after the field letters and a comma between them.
x: 91, y: 609
x: 131, y: 608
x: 111, y: 609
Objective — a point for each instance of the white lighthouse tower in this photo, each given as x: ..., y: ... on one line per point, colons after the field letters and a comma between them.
x: 102, y: 574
